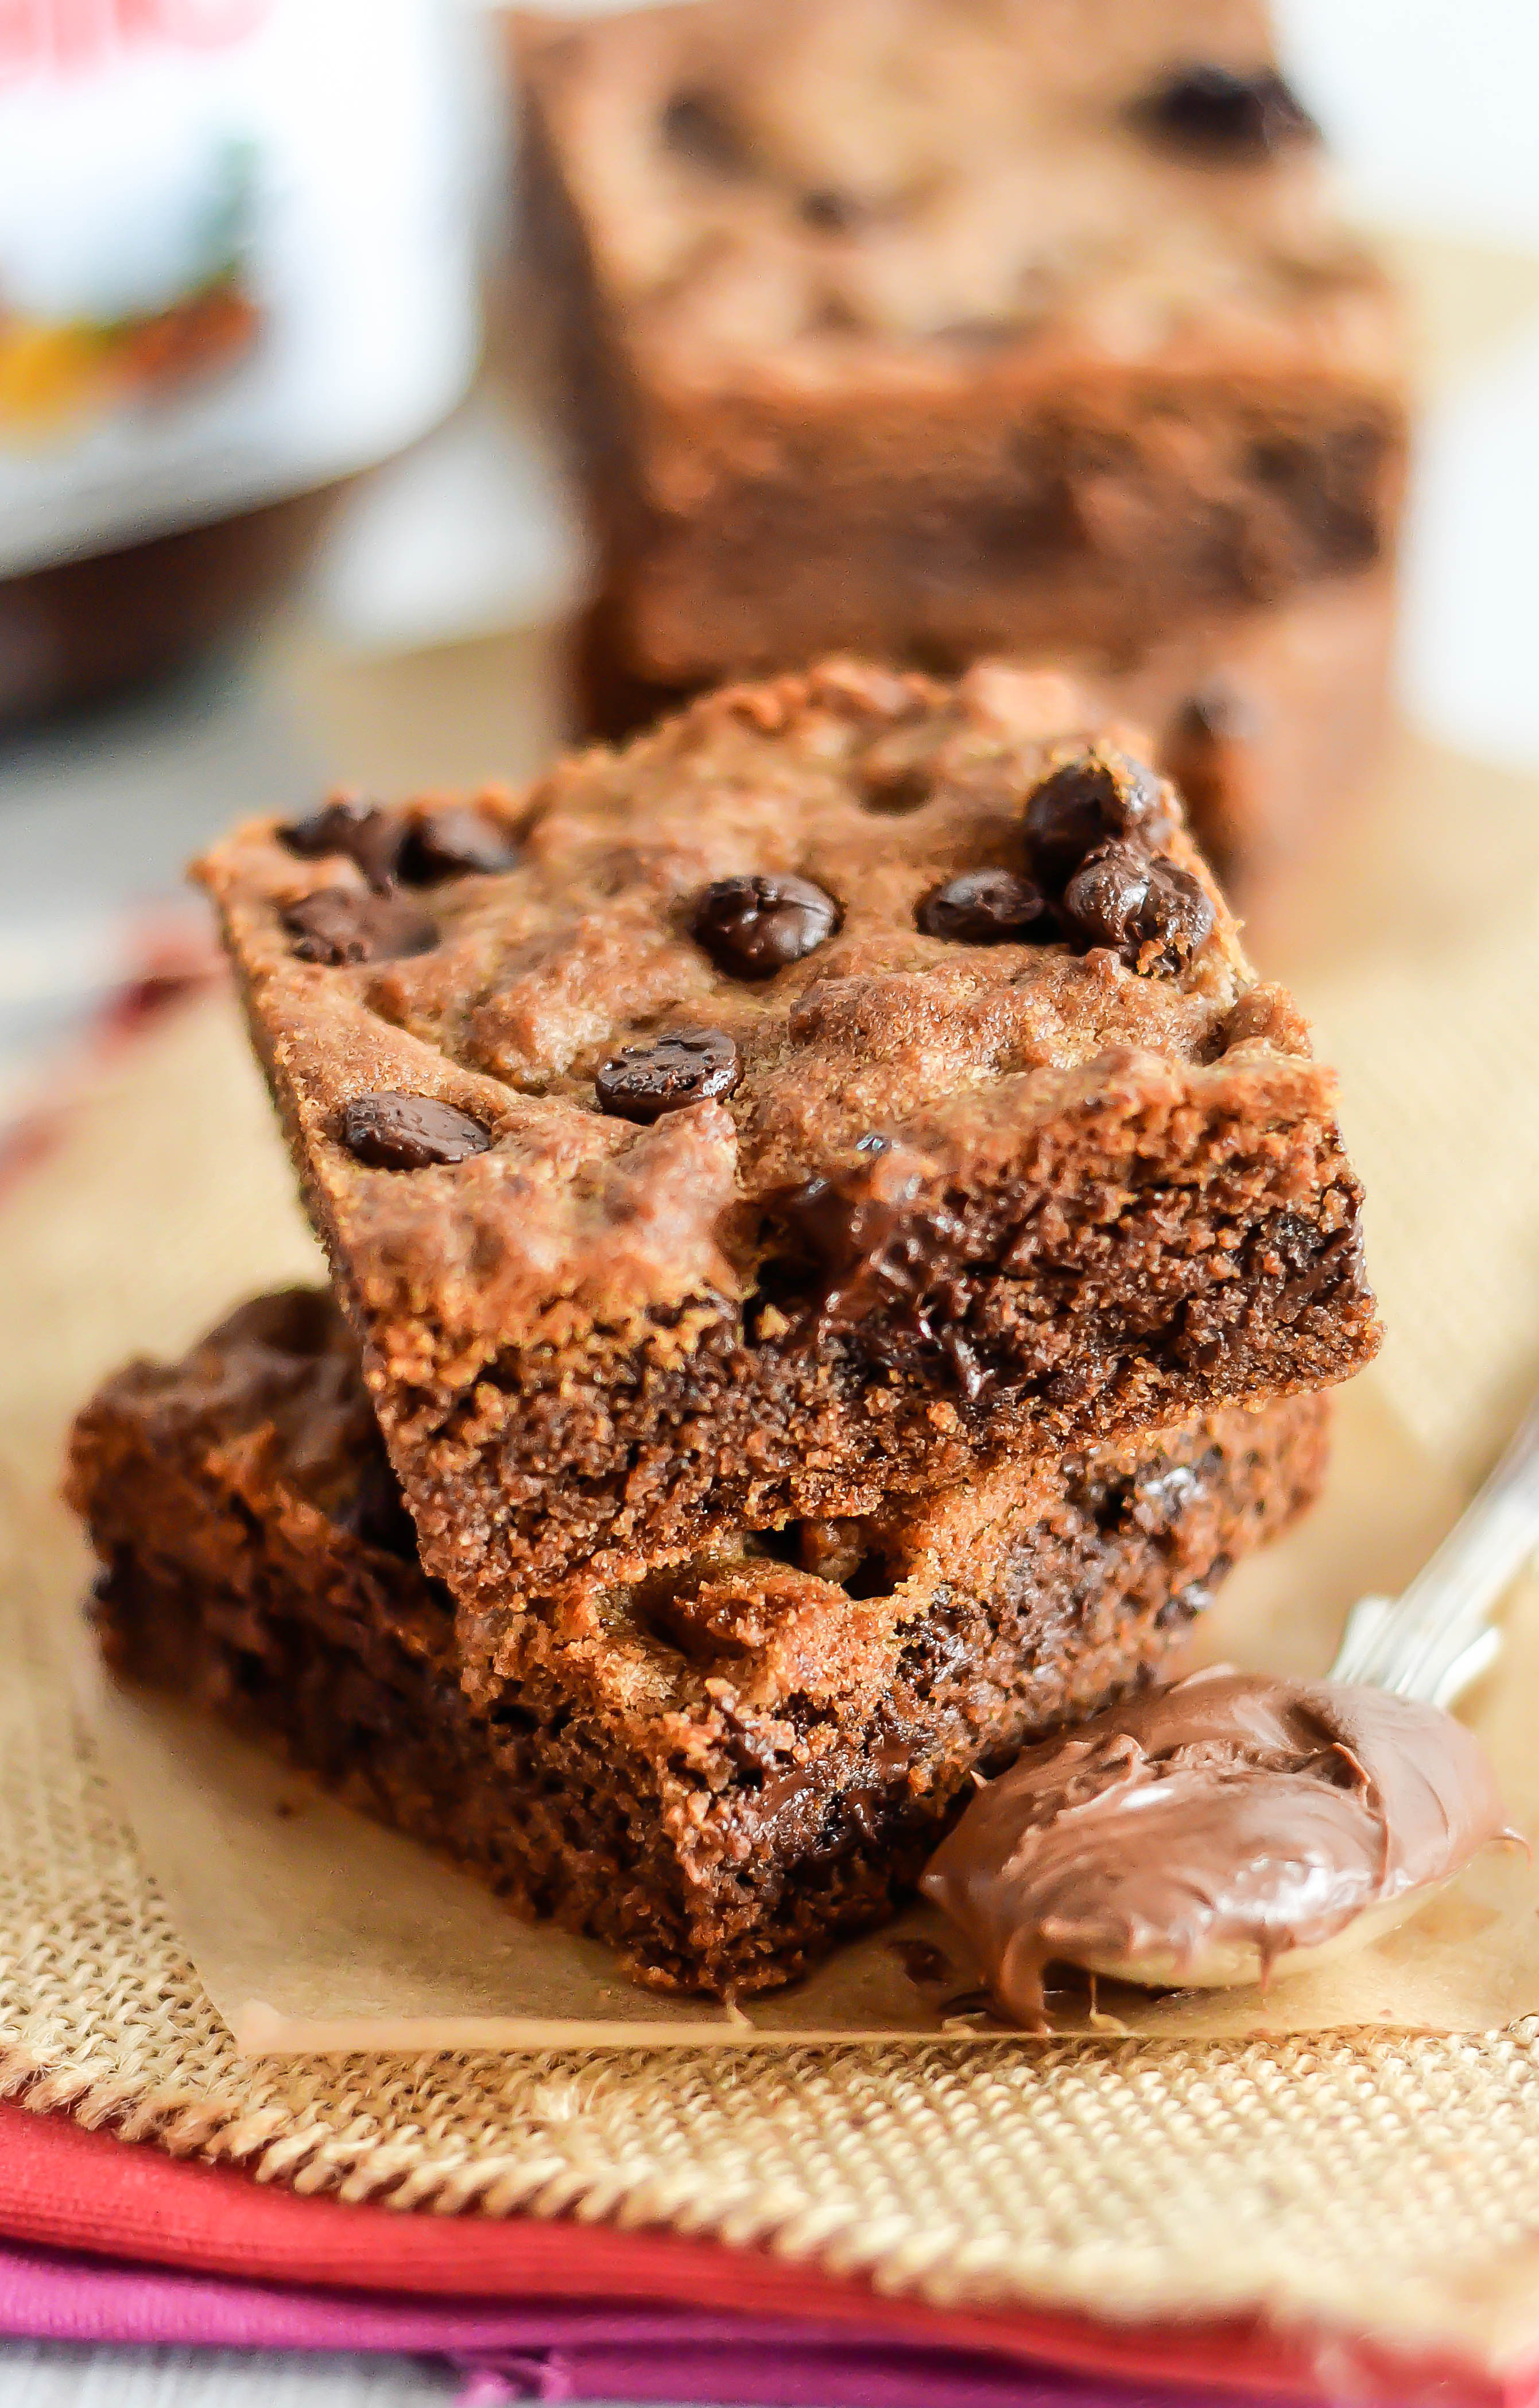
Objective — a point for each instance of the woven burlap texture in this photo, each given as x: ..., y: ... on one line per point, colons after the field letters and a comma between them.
x: 1386, y: 2187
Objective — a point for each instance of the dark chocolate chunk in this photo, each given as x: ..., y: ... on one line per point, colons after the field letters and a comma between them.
x: 988, y: 907
x: 889, y: 1257
x: 1144, y: 907
x: 339, y: 925
x: 1095, y: 794
x: 700, y: 127
x: 361, y: 831
x: 688, y: 1066
x: 457, y: 842
x: 754, y: 925
x: 393, y: 1131
x: 1223, y: 115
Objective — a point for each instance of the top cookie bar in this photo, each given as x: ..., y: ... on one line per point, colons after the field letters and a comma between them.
x: 855, y: 1078
x: 931, y: 331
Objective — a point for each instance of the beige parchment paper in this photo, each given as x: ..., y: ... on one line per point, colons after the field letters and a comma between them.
x: 1414, y: 944
x: 311, y: 1929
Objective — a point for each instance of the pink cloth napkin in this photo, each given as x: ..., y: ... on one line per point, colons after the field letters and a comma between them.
x: 536, y: 2351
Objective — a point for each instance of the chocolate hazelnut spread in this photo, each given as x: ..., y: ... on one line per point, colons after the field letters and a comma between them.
x: 1233, y: 1816
x: 204, y: 334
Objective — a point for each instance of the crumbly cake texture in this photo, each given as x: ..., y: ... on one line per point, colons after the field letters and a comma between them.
x: 1270, y: 721
x: 718, y: 1770
x: 940, y: 1199
x: 932, y: 332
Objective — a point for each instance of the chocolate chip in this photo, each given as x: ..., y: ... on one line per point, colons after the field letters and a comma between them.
x: 700, y: 127
x: 1223, y: 115
x: 688, y: 1066
x: 885, y: 1252
x: 988, y: 907
x: 393, y: 1131
x: 339, y: 925
x: 754, y: 925
x: 1083, y: 801
x: 361, y: 831
x: 1144, y: 907
x: 455, y: 843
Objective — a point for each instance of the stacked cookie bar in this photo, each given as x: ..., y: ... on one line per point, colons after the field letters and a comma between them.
x: 1020, y: 330
x: 834, y: 1255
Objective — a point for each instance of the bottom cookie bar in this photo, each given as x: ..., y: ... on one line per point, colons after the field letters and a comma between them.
x: 719, y: 1768
x: 1269, y: 721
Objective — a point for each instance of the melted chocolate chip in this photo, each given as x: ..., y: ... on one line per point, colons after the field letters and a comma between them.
x: 754, y: 925
x: 688, y: 1066
x: 891, y: 1259
x: 1147, y: 909
x: 361, y: 832
x: 1094, y: 796
x: 457, y: 842
x: 988, y: 907
x: 1222, y: 115
x: 341, y: 925
x: 700, y: 127
x: 393, y: 1131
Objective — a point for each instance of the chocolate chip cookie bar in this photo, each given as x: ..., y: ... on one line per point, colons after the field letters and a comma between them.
x: 719, y: 1769
x: 856, y: 1080
x: 1270, y: 721
x: 932, y: 332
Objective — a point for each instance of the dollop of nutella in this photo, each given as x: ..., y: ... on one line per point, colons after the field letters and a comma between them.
x: 1233, y: 1813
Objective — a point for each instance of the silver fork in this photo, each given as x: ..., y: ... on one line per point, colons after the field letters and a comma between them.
x: 1436, y: 1640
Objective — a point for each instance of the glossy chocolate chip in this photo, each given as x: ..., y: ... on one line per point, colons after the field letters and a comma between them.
x: 393, y: 1131
x: 754, y: 925
x: 988, y: 907
x: 1222, y: 115
x: 1094, y: 796
x: 458, y: 842
x: 342, y: 925
x: 1149, y: 911
x: 688, y: 1066
x: 361, y: 831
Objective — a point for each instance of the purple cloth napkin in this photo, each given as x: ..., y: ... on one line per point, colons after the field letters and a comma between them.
x: 536, y: 2351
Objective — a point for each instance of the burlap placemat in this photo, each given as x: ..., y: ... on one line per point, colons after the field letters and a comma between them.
x: 1387, y: 2187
